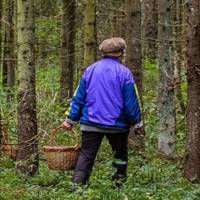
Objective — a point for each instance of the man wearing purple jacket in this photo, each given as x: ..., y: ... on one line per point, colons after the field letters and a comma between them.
x: 106, y: 104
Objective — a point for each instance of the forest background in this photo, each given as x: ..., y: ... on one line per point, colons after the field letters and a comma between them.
x: 44, y: 47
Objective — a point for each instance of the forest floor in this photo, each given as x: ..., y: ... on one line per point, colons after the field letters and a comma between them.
x: 149, y: 177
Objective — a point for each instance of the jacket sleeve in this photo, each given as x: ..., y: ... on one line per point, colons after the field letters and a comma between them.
x: 75, y: 110
x: 131, y: 100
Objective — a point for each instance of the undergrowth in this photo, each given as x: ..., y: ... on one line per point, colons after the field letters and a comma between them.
x: 149, y: 177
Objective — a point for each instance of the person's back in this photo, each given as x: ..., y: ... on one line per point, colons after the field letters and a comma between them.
x: 106, y: 104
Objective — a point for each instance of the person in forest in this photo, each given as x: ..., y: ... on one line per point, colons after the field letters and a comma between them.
x: 106, y: 104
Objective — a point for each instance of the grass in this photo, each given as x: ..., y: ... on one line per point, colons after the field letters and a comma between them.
x: 149, y: 177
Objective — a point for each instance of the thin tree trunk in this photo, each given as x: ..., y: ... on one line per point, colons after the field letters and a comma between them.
x: 104, y: 26
x: 192, y: 160
x: 1, y: 133
x: 179, y: 55
x: 27, y: 156
x: 79, y: 41
x: 9, y: 55
x: 90, y: 33
x: 1, y: 33
x: 118, y: 18
x: 133, y: 37
x: 67, y: 50
x: 134, y: 58
x: 151, y: 28
x: 4, y: 67
x: 166, y: 104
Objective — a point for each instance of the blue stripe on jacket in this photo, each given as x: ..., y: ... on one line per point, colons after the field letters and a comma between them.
x: 131, y: 101
x: 78, y: 102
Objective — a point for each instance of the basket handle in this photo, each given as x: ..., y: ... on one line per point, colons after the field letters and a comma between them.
x: 53, y: 136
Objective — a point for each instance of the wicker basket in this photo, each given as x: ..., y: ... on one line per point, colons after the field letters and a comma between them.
x: 61, y: 157
x: 8, y: 149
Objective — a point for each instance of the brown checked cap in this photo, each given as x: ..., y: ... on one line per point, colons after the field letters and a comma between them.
x: 115, y: 44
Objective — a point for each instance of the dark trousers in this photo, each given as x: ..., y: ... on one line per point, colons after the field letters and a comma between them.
x: 91, y: 142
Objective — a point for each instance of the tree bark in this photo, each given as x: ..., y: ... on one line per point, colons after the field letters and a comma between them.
x: 192, y: 160
x: 134, y: 58
x: 104, y: 26
x: 9, y: 55
x: 67, y: 51
x: 89, y: 33
x: 179, y: 55
x: 166, y: 104
x: 133, y: 37
x: 151, y: 28
x: 1, y: 33
x: 27, y: 156
x: 1, y: 134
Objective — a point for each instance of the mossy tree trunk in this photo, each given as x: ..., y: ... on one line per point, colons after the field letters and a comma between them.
x: 1, y: 133
x: 27, y: 156
x: 1, y: 14
x: 4, y: 68
x: 192, y: 160
x: 9, y: 48
x: 134, y: 58
x: 179, y: 55
x: 89, y: 33
x: 133, y: 38
x: 166, y: 104
x: 67, y: 50
x: 79, y: 41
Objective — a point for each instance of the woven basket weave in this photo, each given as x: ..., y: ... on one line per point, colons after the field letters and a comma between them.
x: 61, y: 157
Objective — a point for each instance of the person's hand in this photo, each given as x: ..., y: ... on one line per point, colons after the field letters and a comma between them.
x: 67, y: 126
x: 139, y: 129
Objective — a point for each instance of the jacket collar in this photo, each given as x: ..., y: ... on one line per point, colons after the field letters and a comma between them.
x: 112, y: 57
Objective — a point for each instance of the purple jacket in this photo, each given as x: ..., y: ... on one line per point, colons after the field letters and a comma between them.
x: 106, y: 96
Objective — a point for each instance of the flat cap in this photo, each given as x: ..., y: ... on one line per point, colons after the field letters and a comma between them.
x: 115, y: 44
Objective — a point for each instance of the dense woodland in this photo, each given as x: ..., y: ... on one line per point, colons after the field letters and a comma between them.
x: 45, y: 45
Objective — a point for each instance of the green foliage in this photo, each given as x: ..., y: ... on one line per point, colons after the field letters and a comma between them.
x: 149, y: 178
x: 48, y: 37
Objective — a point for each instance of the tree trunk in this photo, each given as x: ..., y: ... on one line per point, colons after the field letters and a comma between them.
x: 4, y: 67
x: 166, y: 104
x: 192, y: 160
x: 1, y: 134
x: 118, y: 18
x: 89, y: 33
x: 79, y: 41
x: 27, y: 156
x: 104, y: 26
x: 9, y: 55
x: 179, y: 55
x: 134, y: 57
x: 1, y: 33
x: 67, y: 51
x: 133, y: 37
x: 151, y: 29
x: 111, y: 19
